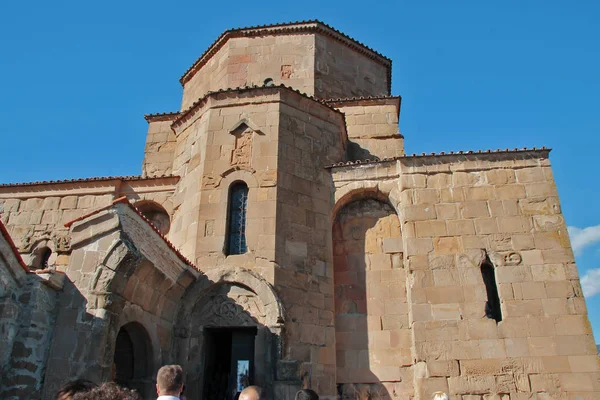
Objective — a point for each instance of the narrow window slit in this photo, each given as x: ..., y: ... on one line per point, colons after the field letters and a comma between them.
x: 236, y: 233
x: 492, y: 306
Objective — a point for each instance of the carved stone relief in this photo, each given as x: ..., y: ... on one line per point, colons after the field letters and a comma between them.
x: 242, y: 153
x: 230, y: 306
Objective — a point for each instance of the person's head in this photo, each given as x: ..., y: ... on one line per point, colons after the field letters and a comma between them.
x: 108, y: 391
x: 68, y: 390
x: 439, y: 396
x: 169, y: 380
x: 307, y: 394
x: 251, y: 393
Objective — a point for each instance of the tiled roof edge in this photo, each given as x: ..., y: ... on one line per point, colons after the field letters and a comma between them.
x: 440, y: 154
x: 284, y: 27
x: 166, y: 116
x: 124, y: 200
x: 93, y: 179
x: 362, y: 98
x: 198, y: 103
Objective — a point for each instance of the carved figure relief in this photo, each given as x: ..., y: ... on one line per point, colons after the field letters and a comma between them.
x: 242, y: 153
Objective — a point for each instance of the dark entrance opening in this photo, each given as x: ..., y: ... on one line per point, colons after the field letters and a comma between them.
x: 229, y: 361
x: 132, y: 365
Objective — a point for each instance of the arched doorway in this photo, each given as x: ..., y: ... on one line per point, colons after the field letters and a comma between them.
x: 132, y: 362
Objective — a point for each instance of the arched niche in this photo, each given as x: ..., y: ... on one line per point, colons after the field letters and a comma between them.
x: 133, y: 358
x: 156, y: 214
x: 370, y: 297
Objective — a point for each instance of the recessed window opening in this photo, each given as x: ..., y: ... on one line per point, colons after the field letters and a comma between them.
x: 236, y: 219
x: 492, y: 306
x: 46, y: 253
x: 269, y: 82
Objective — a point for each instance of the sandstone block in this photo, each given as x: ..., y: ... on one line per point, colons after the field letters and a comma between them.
x: 421, y: 212
x: 492, y: 366
x: 500, y: 176
x: 516, y: 347
x: 430, y: 228
x: 548, y: 272
x: 447, y: 245
x: 460, y: 227
x: 474, y: 209
x: 515, y: 191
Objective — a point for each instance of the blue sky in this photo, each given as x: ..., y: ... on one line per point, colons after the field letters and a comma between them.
x: 77, y: 77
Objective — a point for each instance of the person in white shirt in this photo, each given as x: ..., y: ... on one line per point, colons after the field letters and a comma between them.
x: 169, y: 382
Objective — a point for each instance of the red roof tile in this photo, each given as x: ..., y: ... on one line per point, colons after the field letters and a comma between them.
x: 82, y: 180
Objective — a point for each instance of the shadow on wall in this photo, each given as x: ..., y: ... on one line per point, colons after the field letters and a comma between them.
x: 127, y: 330
x: 371, y: 319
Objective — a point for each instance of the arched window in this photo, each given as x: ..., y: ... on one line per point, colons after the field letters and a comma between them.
x: 492, y: 306
x: 236, y: 218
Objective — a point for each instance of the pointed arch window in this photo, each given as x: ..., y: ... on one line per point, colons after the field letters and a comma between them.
x: 236, y: 229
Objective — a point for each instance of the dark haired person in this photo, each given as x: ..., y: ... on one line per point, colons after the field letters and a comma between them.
x: 70, y: 389
x: 108, y: 391
x: 169, y: 382
x: 306, y: 394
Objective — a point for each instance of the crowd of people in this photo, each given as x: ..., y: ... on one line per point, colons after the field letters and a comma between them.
x: 169, y: 386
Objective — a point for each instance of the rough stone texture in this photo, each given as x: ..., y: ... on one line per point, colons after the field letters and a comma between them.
x: 362, y: 280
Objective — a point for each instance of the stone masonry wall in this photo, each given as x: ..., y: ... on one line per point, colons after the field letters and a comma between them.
x: 456, y: 212
x: 372, y: 129
x: 249, y: 61
x: 510, y: 209
x: 310, y: 136
x: 160, y: 148
x: 341, y: 72
x: 35, y: 215
x: 24, y: 373
x: 373, y: 335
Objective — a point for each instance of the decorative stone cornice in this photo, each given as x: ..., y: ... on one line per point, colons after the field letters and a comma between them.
x: 541, y: 152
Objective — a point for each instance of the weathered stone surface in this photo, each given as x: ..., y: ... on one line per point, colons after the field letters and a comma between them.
x: 361, y: 280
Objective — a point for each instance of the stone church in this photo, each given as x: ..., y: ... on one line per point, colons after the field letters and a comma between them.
x: 279, y: 235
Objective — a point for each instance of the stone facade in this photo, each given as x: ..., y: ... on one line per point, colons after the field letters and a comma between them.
x: 367, y: 273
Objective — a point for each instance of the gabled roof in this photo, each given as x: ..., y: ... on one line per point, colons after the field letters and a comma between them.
x: 312, y: 26
x: 124, y: 200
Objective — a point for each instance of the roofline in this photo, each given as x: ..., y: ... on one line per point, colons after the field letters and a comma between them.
x: 201, y: 101
x: 370, y: 100
x: 88, y: 180
x: 544, y: 150
x: 287, y: 27
x: 166, y: 116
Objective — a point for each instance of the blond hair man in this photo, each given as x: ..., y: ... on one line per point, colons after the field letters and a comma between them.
x: 169, y: 382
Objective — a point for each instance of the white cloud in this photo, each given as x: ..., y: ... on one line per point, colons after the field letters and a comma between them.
x: 590, y: 282
x: 582, y: 238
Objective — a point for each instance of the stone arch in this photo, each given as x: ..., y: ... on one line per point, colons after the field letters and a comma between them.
x: 133, y: 364
x: 156, y: 214
x: 229, y: 299
x: 263, y: 289
x: 361, y: 190
x: 369, y: 284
